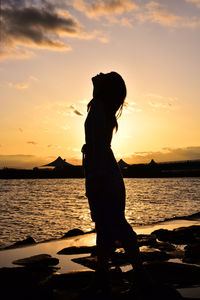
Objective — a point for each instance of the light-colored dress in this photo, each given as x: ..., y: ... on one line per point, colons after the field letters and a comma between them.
x: 108, y: 205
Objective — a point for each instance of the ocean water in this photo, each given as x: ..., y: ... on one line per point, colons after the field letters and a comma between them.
x: 48, y: 208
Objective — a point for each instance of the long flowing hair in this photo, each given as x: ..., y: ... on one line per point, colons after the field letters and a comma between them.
x: 113, y: 94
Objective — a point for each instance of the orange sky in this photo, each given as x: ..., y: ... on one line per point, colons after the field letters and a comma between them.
x: 51, y: 49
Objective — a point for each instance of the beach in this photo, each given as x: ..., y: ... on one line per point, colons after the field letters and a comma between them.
x: 66, y: 266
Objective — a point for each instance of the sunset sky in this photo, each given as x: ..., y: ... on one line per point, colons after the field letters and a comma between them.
x: 50, y: 50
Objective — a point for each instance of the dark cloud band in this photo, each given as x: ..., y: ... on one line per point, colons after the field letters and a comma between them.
x: 35, y: 26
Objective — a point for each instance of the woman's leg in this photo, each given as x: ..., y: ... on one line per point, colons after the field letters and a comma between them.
x: 130, y: 245
x: 101, y: 276
x: 105, y: 245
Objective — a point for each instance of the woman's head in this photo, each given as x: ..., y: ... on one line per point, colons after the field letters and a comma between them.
x: 111, y: 89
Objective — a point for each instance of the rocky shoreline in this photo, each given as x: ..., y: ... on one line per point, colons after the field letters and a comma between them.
x: 171, y: 257
x: 29, y: 240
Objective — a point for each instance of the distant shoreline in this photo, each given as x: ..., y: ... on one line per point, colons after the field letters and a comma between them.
x: 66, y: 170
x: 78, y: 173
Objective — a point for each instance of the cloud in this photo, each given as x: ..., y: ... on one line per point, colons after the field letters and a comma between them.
x: 196, y: 2
x: 38, y: 24
x: 23, y: 161
x: 53, y: 146
x: 125, y: 12
x: 32, y: 142
x: 156, y: 12
x: 23, y: 85
x: 157, y: 101
x: 166, y: 154
x: 68, y: 110
x: 61, y: 109
x: 130, y: 107
x: 75, y: 110
x: 19, y: 86
x: 99, y: 8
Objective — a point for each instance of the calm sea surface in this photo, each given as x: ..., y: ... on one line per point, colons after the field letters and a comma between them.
x: 48, y: 208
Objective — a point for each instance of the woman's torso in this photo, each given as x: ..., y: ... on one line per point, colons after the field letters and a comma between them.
x: 98, y: 136
x: 101, y: 165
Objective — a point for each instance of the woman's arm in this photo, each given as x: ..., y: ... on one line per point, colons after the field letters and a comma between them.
x: 99, y: 130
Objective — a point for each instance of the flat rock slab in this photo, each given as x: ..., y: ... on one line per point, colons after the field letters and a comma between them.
x: 146, y: 239
x: 74, y: 286
x: 121, y: 259
x: 28, y: 241
x: 164, y: 246
x: 77, y: 250
x: 73, y: 232
x: 181, y: 275
x: 154, y: 255
x: 71, y: 281
x: 23, y: 283
x: 37, y: 260
x: 179, y: 236
x: 178, y: 274
x: 89, y: 261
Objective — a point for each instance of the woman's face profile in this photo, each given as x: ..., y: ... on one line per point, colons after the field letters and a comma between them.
x: 98, y: 78
x: 99, y: 82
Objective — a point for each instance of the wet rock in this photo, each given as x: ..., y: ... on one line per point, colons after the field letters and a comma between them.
x: 73, y: 232
x: 170, y: 250
x: 164, y: 246
x: 72, y: 286
x: 191, y: 233
x: 41, y: 260
x: 193, y: 250
x: 154, y: 255
x: 179, y: 236
x: 89, y: 261
x: 147, y: 254
x: 121, y: 259
x: 178, y: 253
x: 73, y: 280
x: 192, y: 253
x: 161, y: 234
x: 153, y: 292
x: 28, y: 241
x: 146, y: 240
x: 77, y: 250
x: 177, y: 274
x: 23, y: 283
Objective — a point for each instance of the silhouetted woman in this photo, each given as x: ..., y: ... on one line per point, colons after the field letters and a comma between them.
x: 104, y: 183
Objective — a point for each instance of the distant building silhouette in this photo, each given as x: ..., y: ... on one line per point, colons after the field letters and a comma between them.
x: 122, y: 164
x: 59, y: 168
x: 59, y: 163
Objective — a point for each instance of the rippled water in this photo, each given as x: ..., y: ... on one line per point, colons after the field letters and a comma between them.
x: 47, y: 208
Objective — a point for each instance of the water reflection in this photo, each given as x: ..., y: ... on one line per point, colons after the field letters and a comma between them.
x: 47, y: 208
